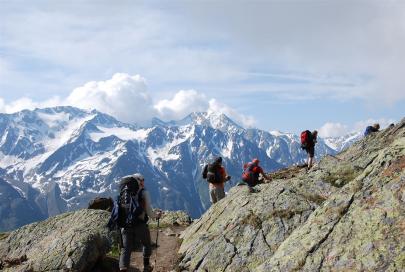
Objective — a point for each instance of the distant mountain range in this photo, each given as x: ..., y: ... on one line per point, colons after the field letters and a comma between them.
x: 57, y: 159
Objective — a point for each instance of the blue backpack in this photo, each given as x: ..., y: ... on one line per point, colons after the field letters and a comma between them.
x: 128, y: 205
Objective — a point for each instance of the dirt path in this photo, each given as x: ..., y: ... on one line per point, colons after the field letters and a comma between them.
x: 166, y: 257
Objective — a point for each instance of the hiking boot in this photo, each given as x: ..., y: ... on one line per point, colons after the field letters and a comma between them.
x: 146, y: 265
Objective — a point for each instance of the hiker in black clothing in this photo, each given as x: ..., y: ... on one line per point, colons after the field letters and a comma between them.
x: 371, y: 129
x: 308, y: 141
x: 136, y: 229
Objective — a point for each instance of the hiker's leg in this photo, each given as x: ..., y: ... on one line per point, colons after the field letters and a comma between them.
x: 310, y: 162
x: 220, y: 193
x: 144, y: 235
x: 145, y: 240
x: 311, y: 154
x: 213, y: 196
x: 127, y: 243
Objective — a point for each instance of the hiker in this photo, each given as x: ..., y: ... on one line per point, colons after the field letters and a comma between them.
x: 251, y: 173
x: 371, y: 129
x: 308, y: 141
x: 135, y: 198
x: 216, y: 176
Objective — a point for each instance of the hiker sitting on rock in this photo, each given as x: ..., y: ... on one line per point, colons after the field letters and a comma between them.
x: 135, y: 200
x: 216, y: 176
x: 371, y: 129
x: 308, y: 141
x: 251, y: 173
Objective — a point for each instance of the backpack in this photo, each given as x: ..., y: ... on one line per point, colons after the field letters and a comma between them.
x: 249, y: 176
x: 128, y: 205
x: 212, y: 174
x: 306, y: 138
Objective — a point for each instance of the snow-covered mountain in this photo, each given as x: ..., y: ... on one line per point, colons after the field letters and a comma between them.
x: 343, y: 142
x: 59, y: 158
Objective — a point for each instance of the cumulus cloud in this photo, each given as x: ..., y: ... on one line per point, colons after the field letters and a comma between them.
x: 128, y: 99
x: 330, y: 129
x: 123, y: 96
x: 182, y: 103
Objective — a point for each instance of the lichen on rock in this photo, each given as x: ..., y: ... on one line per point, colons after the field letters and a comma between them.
x: 72, y: 241
x: 345, y: 214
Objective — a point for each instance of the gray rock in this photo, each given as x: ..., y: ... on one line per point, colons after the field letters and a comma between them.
x: 346, y: 214
x: 71, y: 241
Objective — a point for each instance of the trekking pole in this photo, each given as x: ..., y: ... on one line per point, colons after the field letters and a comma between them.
x: 157, y: 236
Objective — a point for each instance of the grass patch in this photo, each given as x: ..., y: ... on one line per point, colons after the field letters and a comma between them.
x: 115, y: 247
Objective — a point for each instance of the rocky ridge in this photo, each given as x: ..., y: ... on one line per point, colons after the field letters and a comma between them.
x: 345, y: 214
x: 72, y: 241
x: 80, y: 241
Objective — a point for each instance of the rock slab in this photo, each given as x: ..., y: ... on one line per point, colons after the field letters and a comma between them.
x: 72, y: 241
x: 345, y: 214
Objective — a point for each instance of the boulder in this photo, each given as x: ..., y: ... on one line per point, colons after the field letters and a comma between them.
x: 346, y: 214
x: 72, y: 241
x: 101, y: 203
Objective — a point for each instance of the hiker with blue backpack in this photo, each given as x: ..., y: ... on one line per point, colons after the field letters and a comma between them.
x: 130, y: 215
x: 252, y: 172
x: 308, y: 141
x: 371, y: 129
x: 216, y: 176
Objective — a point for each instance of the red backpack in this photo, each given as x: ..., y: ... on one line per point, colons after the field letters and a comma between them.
x: 249, y: 175
x: 306, y: 137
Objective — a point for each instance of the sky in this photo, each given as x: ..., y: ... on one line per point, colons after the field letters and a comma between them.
x: 335, y: 66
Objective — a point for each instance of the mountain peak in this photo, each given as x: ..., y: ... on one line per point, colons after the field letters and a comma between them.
x: 212, y: 119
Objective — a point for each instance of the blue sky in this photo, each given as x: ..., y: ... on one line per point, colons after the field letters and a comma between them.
x: 331, y: 65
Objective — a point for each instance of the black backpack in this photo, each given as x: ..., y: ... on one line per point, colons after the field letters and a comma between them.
x: 128, y: 205
x: 211, y: 173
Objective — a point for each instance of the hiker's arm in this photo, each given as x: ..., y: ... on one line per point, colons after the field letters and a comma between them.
x: 225, y: 175
x: 148, y: 207
x: 265, y: 176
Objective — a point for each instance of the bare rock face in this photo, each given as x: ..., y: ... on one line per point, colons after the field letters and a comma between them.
x: 345, y: 214
x: 72, y: 241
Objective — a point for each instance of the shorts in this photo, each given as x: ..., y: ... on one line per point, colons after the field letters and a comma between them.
x: 310, y: 150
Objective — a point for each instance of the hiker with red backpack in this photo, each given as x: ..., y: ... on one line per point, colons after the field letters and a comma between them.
x: 216, y: 176
x: 308, y: 141
x: 130, y: 215
x: 251, y: 173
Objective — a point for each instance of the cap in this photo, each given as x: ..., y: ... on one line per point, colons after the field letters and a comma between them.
x: 255, y: 161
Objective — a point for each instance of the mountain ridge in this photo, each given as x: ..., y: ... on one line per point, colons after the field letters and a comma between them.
x: 83, y: 154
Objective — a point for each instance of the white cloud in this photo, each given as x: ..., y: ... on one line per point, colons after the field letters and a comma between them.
x: 182, y: 103
x: 127, y: 98
x: 123, y: 96
x: 333, y: 130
